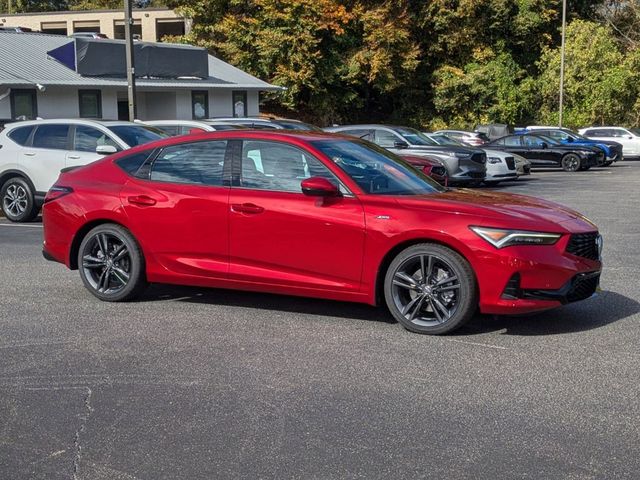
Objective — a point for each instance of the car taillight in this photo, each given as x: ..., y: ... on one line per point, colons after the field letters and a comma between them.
x: 56, y: 192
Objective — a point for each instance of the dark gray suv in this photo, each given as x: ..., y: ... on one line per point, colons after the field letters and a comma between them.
x: 464, y: 164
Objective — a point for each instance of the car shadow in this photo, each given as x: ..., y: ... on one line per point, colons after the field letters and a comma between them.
x: 266, y: 301
x: 597, y: 312
x: 607, y: 308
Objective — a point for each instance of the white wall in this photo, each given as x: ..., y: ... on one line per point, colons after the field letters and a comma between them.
x: 253, y: 99
x: 220, y: 103
x: 160, y: 105
x: 5, y: 104
x: 58, y: 102
x: 110, y: 104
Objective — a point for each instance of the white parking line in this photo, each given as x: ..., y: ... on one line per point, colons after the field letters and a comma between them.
x: 19, y: 225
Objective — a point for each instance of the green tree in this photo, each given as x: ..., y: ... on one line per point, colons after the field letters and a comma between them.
x: 600, y: 82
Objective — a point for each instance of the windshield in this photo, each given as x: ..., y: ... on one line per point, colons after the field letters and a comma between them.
x: 376, y: 170
x: 635, y: 131
x: 549, y: 140
x: 134, y: 135
x: 297, y: 126
x: 414, y: 137
x: 444, y: 140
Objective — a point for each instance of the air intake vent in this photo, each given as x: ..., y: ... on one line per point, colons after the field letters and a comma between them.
x: 584, y: 245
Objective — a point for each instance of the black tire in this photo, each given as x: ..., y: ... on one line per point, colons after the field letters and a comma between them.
x: 492, y: 183
x: 584, y: 169
x: 18, y: 202
x: 608, y: 163
x: 111, y: 264
x: 441, y: 304
x: 571, y: 162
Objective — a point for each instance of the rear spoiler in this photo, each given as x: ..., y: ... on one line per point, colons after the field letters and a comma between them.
x: 68, y: 169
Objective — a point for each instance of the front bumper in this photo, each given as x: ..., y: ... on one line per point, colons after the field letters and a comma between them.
x: 527, y: 279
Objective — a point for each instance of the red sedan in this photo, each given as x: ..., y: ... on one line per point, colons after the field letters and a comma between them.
x: 429, y: 166
x: 315, y: 215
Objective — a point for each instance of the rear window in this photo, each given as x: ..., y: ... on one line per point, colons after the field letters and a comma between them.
x: 20, y: 135
x: 134, y: 135
x: 132, y: 163
x: 54, y: 137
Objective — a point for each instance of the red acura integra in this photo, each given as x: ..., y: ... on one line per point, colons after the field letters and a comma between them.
x: 316, y: 215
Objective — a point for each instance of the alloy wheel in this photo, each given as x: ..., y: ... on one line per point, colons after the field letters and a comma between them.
x: 107, y: 263
x: 16, y: 200
x: 426, y: 290
x: 571, y: 163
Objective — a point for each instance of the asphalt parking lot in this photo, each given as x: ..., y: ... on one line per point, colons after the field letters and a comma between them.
x: 201, y: 384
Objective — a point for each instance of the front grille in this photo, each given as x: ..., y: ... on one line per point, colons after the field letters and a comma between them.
x: 511, y: 163
x: 584, y: 245
x: 479, y: 158
x: 584, y: 286
x: 512, y: 289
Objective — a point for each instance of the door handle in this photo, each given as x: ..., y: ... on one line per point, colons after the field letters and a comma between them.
x: 29, y: 154
x: 74, y: 157
x: 142, y: 201
x: 246, y: 208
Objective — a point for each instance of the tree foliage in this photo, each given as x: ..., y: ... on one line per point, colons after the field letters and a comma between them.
x: 422, y: 62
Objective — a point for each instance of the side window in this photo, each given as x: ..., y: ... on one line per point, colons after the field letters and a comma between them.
x: 532, y: 141
x: 363, y: 134
x: 385, y: 138
x: 21, y: 135
x: 555, y: 134
x: 618, y: 133
x: 87, y: 139
x: 51, y: 136
x: 132, y: 163
x: 500, y: 142
x: 513, y: 141
x: 199, y: 163
x: 279, y: 167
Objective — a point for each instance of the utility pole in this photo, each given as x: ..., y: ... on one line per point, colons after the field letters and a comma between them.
x: 9, y: 8
x: 562, y: 50
x: 131, y: 70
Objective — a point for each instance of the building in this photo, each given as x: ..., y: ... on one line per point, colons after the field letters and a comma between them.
x: 47, y: 76
x: 149, y: 24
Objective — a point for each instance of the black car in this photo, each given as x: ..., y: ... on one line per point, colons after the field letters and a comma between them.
x: 465, y: 165
x: 543, y: 151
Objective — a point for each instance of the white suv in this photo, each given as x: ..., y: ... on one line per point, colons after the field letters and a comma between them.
x: 629, y: 138
x: 33, y: 153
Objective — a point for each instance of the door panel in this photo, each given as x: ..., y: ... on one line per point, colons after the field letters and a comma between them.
x: 280, y: 236
x: 180, y: 212
x: 47, y: 156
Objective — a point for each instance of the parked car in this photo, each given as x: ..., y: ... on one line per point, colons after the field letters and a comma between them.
x: 34, y: 152
x: 500, y: 165
x: 612, y: 150
x: 523, y: 166
x: 543, y: 151
x: 15, y: 29
x: 465, y: 165
x: 493, y: 131
x: 342, y: 219
x: 174, y: 128
x: 94, y: 35
x: 261, y: 123
x: 475, y: 139
x: 629, y: 138
x: 431, y: 167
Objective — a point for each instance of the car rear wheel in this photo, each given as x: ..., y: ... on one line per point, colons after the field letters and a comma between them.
x: 18, y: 202
x: 571, y: 162
x: 111, y: 264
x: 430, y: 289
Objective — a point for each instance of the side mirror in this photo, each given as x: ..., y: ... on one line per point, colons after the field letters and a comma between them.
x: 106, y: 149
x: 400, y: 144
x: 319, y: 187
x: 570, y: 140
x: 544, y: 145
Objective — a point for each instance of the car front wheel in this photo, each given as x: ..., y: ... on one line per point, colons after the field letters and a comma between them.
x: 111, y: 264
x: 18, y: 202
x: 430, y: 289
x: 571, y: 162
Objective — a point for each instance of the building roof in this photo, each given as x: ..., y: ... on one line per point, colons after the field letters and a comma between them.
x: 24, y: 62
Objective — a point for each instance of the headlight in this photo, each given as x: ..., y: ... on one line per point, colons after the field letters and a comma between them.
x: 586, y: 152
x: 493, y: 160
x: 500, y: 238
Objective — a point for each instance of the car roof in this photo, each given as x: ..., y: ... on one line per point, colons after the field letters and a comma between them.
x: 367, y: 125
x: 75, y: 121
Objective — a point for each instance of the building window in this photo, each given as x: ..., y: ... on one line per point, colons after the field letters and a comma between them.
x: 239, y: 103
x: 54, y: 28
x: 24, y: 104
x: 169, y: 27
x: 136, y: 29
x: 90, y: 102
x: 199, y: 104
x: 90, y: 26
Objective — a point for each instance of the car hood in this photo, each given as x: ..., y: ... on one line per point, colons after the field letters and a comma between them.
x: 503, y: 210
x: 446, y: 148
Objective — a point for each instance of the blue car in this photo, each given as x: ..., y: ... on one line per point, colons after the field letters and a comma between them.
x: 612, y: 150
